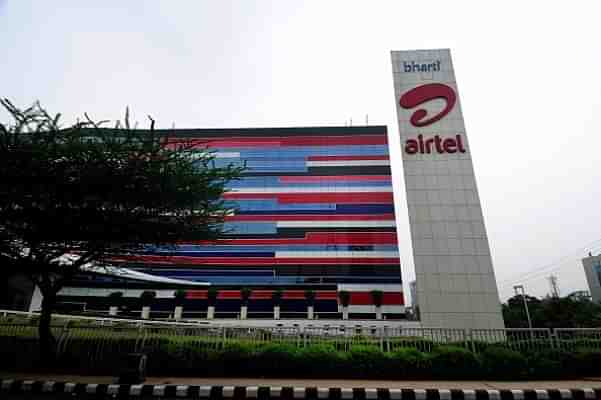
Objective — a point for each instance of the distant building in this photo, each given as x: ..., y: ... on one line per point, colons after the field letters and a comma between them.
x: 592, y: 269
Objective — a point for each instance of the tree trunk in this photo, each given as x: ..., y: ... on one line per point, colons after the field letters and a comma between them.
x: 47, y: 341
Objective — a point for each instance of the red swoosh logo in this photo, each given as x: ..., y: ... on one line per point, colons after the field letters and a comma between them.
x: 423, y: 94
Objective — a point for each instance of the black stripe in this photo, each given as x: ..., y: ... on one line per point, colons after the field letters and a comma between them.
x: 335, y: 394
x: 36, y: 387
x: 170, y: 391
x: 383, y: 394
x: 530, y: 394
x: 216, y: 392
x: 59, y: 387
x: 481, y: 394
x: 147, y: 391
x: 432, y: 394
x: 358, y: 394
x: 577, y: 394
x: 554, y: 394
x: 263, y: 393
x: 597, y: 393
x: 15, y: 387
x: 123, y: 390
x: 287, y: 393
x: 311, y: 393
x: 239, y: 392
x: 408, y: 394
x: 101, y: 389
x: 457, y: 394
x: 80, y: 388
x: 193, y: 392
x: 506, y: 394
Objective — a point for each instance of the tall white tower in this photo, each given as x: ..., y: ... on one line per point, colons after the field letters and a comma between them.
x: 456, y: 283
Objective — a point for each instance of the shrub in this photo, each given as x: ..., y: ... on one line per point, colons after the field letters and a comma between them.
x: 503, y: 363
x: 546, y: 364
x: 277, y: 360
x: 454, y: 362
x: 409, y: 363
x: 366, y: 361
x: 322, y: 361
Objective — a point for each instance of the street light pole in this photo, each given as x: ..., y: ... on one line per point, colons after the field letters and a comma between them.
x: 521, y: 287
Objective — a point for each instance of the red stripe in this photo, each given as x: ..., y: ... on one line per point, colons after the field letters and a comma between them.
x: 339, y: 198
x: 346, y: 158
x: 342, y: 178
x: 388, y: 298
x: 312, y: 217
x: 197, y: 294
x: 285, y: 141
x: 357, y: 238
x: 229, y: 295
x: 248, y: 261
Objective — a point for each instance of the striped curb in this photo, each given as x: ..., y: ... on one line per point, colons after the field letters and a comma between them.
x: 289, y: 393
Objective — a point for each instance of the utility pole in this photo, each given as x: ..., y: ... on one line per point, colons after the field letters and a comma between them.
x: 554, y: 286
x: 523, y: 294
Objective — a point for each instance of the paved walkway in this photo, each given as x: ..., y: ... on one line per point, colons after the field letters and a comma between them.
x: 331, y: 383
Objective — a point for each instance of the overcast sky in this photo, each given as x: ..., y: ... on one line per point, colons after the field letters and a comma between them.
x: 529, y: 76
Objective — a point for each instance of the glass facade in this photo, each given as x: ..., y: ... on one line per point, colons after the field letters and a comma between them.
x: 314, y: 210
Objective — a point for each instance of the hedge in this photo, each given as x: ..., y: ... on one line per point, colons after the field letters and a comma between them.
x: 179, y: 357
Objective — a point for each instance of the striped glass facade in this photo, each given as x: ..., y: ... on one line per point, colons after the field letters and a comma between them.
x: 314, y: 210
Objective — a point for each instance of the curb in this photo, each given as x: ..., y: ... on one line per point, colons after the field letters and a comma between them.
x: 11, y: 386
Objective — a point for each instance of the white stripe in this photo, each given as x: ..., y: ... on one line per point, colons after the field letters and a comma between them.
x: 204, y: 391
x: 542, y: 394
x: 48, y: 386
x: 91, y: 388
x: 135, y: 390
x: 225, y: 154
x: 298, y: 393
x: 368, y: 309
x: 395, y: 394
x: 7, y: 383
x: 492, y: 395
x: 69, y: 387
x: 589, y: 393
x: 371, y: 394
x: 337, y: 224
x: 346, y: 163
x: 445, y: 394
x: 26, y: 386
x: 113, y: 389
x: 469, y: 394
x: 420, y: 394
x: 314, y: 189
x: 517, y: 394
x: 252, y: 392
x: 565, y: 393
x: 346, y: 393
x: 337, y: 254
x: 323, y: 393
x: 228, y: 391
x: 158, y: 390
x: 275, y: 391
x: 181, y: 390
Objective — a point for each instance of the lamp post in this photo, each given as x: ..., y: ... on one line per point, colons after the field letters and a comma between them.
x: 521, y: 287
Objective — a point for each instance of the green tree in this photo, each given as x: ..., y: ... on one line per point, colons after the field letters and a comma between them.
x: 345, y: 297
x: 245, y: 293
x: 377, y: 296
x: 115, y: 298
x: 74, y: 198
x: 277, y: 295
x: 147, y: 297
x: 212, y: 293
x: 180, y: 297
x: 310, y: 297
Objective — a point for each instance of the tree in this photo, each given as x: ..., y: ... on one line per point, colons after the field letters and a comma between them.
x: 276, y: 296
x: 345, y: 298
x: 84, y: 197
x: 180, y: 297
x: 245, y: 293
x: 115, y: 298
x: 310, y: 297
x: 377, y: 296
x: 147, y: 297
x: 212, y: 296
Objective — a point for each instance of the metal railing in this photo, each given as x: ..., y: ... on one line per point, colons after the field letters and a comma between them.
x: 94, y: 335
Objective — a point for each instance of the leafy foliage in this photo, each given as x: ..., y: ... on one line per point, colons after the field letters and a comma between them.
x: 345, y: 297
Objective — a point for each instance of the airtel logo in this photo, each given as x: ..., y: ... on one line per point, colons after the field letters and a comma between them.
x: 422, y: 94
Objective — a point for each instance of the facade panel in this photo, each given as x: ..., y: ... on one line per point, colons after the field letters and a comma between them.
x: 314, y: 210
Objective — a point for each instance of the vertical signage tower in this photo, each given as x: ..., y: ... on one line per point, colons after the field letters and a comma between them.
x: 455, y: 278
